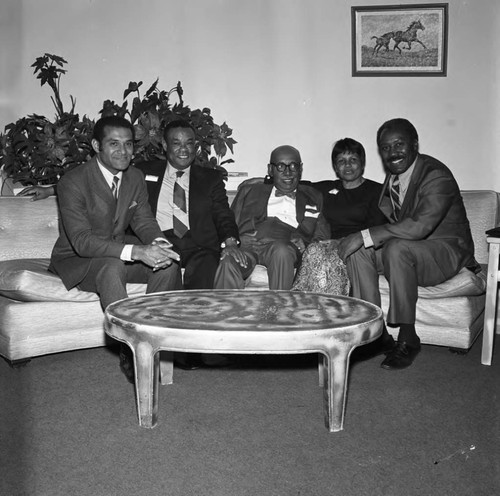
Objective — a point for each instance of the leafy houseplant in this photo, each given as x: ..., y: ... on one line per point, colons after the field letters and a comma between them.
x: 35, y: 150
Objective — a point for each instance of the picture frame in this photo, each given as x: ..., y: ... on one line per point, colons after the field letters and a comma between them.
x: 400, y: 40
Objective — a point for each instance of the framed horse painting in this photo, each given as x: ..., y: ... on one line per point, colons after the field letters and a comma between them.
x: 400, y: 40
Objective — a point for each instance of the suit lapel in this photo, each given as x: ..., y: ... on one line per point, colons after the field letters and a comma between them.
x: 300, y: 205
x: 413, y: 185
x: 123, y: 197
x: 98, y: 184
x: 195, y: 191
x: 384, y: 201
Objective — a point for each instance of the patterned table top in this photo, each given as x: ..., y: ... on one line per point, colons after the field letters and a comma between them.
x: 221, y: 310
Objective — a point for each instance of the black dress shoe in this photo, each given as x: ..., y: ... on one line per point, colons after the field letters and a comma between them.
x: 127, y: 363
x: 382, y: 345
x: 401, y: 356
x: 188, y: 361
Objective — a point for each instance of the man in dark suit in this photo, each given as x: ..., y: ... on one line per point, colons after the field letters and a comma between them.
x: 426, y: 241
x: 205, y: 222
x: 276, y: 219
x: 98, y: 201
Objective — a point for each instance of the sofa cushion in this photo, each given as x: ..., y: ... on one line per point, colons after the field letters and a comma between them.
x: 29, y: 280
x: 465, y: 283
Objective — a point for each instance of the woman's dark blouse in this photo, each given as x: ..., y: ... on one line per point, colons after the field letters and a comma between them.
x: 351, y: 210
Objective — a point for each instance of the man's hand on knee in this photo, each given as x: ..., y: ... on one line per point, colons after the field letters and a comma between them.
x: 239, y: 255
x: 349, y: 245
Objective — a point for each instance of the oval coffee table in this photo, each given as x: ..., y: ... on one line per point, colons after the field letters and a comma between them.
x: 242, y: 321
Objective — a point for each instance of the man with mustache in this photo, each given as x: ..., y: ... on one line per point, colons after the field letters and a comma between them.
x: 426, y: 241
x: 276, y: 219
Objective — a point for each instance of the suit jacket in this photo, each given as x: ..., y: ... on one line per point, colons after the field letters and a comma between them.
x: 250, y: 208
x: 211, y: 221
x: 92, y: 224
x: 432, y: 209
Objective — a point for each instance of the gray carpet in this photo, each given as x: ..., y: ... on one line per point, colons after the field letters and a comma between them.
x: 69, y: 427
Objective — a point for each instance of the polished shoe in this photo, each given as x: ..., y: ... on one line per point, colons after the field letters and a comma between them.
x: 401, y: 356
x: 188, y: 361
x: 127, y: 363
x: 382, y: 345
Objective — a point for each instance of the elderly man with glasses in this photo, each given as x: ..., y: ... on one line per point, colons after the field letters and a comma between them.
x: 276, y: 219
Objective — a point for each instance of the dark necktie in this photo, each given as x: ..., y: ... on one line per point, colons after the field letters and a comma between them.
x: 290, y: 195
x: 114, y: 187
x: 395, y: 196
x: 180, y: 209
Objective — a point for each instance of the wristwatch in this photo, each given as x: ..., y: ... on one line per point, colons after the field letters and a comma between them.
x: 223, y: 244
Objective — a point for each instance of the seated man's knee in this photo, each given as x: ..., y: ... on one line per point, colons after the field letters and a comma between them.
x: 396, y: 250
x: 111, y: 269
x: 281, y: 249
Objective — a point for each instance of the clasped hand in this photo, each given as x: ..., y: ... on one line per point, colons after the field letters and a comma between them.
x: 156, y: 255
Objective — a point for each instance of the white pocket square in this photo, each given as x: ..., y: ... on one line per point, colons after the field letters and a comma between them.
x: 152, y: 178
x: 132, y: 205
x: 312, y: 214
x: 311, y: 211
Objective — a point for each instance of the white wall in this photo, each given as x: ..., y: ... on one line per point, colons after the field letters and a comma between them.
x: 278, y: 71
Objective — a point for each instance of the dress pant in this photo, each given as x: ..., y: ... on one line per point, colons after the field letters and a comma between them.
x: 200, y: 263
x: 108, y: 277
x: 406, y: 264
x: 280, y: 258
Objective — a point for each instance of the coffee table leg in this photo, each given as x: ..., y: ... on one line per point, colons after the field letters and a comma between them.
x: 146, y: 384
x: 322, y: 367
x: 166, y: 367
x: 335, y: 388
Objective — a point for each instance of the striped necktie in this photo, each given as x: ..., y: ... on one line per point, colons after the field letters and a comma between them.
x: 180, y: 208
x: 396, y: 198
x: 114, y: 187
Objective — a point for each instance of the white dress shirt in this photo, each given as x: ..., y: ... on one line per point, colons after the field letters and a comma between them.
x: 282, y: 207
x: 165, y: 206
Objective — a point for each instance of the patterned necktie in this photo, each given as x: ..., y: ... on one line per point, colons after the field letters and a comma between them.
x: 114, y: 187
x: 180, y: 210
x: 291, y: 195
x: 396, y: 199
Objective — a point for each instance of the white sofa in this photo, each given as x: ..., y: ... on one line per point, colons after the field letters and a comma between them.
x: 39, y: 316
x: 450, y: 314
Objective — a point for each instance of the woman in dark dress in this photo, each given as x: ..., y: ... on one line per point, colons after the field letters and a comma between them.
x: 350, y: 204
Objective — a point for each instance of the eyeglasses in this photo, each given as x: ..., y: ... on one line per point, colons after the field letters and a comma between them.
x: 292, y: 166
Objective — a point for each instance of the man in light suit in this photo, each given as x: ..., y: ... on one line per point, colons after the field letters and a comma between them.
x: 97, y: 202
x: 426, y: 241
x: 276, y: 219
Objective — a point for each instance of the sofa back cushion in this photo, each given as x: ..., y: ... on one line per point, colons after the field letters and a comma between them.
x: 483, y: 213
x: 30, y: 229
x: 27, y: 229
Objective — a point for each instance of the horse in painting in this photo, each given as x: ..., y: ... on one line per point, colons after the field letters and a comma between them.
x: 382, y: 41
x: 408, y: 36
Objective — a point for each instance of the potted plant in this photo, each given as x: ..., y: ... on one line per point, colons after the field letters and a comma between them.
x: 36, y: 150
